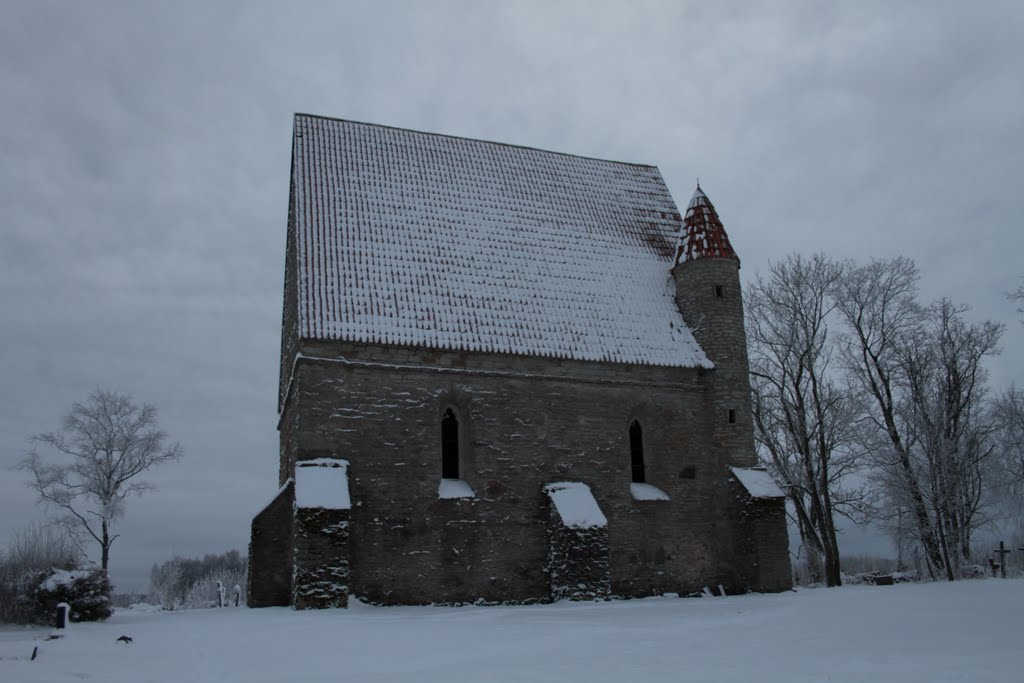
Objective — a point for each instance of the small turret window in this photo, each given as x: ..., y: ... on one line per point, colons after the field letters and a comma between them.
x: 449, y: 446
x: 636, y: 451
x: 732, y: 416
x: 719, y: 291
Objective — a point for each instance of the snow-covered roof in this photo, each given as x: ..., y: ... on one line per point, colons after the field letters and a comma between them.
x: 322, y: 483
x: 575, y: 504
x: 758, y: 483
x: 411, y: 238
x: 703, y: 234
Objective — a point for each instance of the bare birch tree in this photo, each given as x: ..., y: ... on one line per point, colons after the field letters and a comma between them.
x: 103, y: 445
x: 801, y: 413
x: 950, y: 415
x: 926, y: 423
x: 878, y: 302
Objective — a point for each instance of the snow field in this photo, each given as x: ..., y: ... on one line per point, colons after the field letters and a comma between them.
x: 968, y: 631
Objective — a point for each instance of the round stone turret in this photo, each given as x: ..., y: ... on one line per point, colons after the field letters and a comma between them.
x: 706, y: 271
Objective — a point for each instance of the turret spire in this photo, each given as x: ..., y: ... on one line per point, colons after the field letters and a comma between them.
x: 703, y: 235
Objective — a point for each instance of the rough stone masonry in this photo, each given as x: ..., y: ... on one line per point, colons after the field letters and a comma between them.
x: 466, y: 323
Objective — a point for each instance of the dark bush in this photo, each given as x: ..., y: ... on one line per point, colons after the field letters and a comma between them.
x: 86, y: 590
x: 32, y: 551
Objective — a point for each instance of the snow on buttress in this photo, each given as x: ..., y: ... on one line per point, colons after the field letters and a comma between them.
x: 576, y: 505
x: 322, y: 483
x: 411, y: 238
x: 758, y: 483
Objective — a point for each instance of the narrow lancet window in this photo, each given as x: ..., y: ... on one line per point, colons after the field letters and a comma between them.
x: 449, y: 446
x: 636, y: 450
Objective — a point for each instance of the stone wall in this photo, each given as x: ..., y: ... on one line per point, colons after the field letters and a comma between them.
x: 578, y: 567
x: 762, y: 542
x: 321, y: 558
x: 717, y: 323
x: 774, y: 571
x: 270, y: 552
x: 523, y: 422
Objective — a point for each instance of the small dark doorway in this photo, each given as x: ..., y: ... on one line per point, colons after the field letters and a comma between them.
x: 449, y: 446
x: 636, y: 451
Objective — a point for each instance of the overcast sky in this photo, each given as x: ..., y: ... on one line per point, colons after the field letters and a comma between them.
x: 144, y: 159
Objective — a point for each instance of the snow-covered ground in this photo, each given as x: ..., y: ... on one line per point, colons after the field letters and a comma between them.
x: 968, y: 631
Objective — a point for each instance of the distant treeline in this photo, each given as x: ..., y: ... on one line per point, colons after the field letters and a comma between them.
x: 186, y: 582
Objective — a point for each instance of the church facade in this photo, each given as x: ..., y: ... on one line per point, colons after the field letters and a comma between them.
x: 507, y: 376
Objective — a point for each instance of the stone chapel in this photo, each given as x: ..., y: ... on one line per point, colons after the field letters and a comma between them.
x: 507, y: 375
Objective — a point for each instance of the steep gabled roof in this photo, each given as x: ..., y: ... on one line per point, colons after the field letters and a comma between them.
x: 416, y: 239
x: 703, y: 235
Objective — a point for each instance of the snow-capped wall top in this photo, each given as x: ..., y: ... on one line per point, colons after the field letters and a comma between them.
x: 576, y: 505
x: 417, y: 239
x: 322, y: 483
x: 703, y: 234
x: 758, y: 483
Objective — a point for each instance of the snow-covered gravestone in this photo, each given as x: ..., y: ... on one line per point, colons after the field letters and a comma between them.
x: 63, y: 615
x: 322, y: 507
x: 578, y: 564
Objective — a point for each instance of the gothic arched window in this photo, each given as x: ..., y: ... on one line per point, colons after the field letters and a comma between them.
x: 449, y: 445
x: 636, y: 452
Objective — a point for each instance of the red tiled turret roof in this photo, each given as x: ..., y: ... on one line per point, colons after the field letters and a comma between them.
x: 703, y: 234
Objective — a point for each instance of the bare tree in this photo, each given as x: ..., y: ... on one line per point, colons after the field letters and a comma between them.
x: 1017, y: 295
x: 104, y: 445
x: 926, y: 425
x: 801, y: 413
x: 167, y: 584
x: 948, y: 412
x: 1008, y: 412
x: 878, y: 302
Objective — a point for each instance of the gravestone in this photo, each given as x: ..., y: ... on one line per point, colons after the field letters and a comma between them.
x: 63, y: 614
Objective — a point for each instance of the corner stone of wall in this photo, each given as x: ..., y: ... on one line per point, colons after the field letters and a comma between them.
x: 578, y: 561
x: 321, y: 560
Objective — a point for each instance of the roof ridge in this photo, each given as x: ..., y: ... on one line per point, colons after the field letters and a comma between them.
x: 489, y: 142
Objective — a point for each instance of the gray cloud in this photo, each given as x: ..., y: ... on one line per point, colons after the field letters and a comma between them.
x: 145, y: 156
